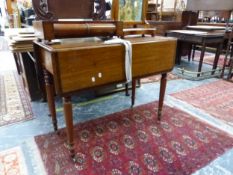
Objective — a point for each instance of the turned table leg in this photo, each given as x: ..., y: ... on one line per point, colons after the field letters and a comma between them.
x: 163, y: 84
x: 67, y: 105
x: 50, y: 97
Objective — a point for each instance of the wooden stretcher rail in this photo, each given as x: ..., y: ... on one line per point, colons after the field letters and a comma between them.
x: 48, y: 30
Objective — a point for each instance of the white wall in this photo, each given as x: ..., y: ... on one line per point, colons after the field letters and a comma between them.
x: 168, y: 3
x: 210, y: 5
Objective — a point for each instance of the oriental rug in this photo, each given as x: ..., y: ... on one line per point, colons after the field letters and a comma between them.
x: 215, y: 98
x: 14, y: 103
x: 134, y: 142
x: 156, y: 78
x: 12, y: 162
x: 209, y: 58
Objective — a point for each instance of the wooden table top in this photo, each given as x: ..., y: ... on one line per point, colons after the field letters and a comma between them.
x: 94, y: 42
x: 206, y: 27
x: 198, y: 33
x: 151, y: 55
x: 15, y: 31
x: 213, y: 24
x: 20, y: 39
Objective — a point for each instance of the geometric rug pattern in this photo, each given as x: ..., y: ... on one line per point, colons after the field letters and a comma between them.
x: 14, y: 102
x: 12, y: 162
x: 215, y: 98
x: 133, y: 141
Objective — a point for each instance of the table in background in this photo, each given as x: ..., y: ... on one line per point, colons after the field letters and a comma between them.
x: 206, y: 28
x: 201, y: 38
x: 20, y: 41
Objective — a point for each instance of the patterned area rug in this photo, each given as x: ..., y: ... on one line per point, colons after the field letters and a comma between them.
x: 14, y: 103
x: 209, y: 58
x: 155, y: 78
x: 215, y: 98
x: 134, y: 142
x: 12, y: 162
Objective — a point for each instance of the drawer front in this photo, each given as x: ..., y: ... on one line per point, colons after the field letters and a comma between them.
x: 90, y: 67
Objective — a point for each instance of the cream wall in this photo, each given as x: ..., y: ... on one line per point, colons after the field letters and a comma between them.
x: 210, y: 5
x: 167, y: 3
x: 170, y: 3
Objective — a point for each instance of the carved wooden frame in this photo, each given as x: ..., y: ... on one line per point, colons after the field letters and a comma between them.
x: 42, y: 11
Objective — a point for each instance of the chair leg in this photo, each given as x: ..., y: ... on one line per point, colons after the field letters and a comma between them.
x: 224, y: 66
x: 139, y: 82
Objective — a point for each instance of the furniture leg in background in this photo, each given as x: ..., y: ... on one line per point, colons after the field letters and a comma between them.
x: 190, y: 52
x: 217, y: 55
x: 201, y: 57
x: 26, y: 69
x: 229, y: 76
x: 126, y: 89
x: 133, y: 92
x: 17, y: 62
x: 193, y: 51
x: 39, y: 72
x: 178, y: 52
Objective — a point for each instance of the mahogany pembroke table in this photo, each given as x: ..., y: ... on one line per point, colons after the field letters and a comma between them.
x: 76, y: 64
